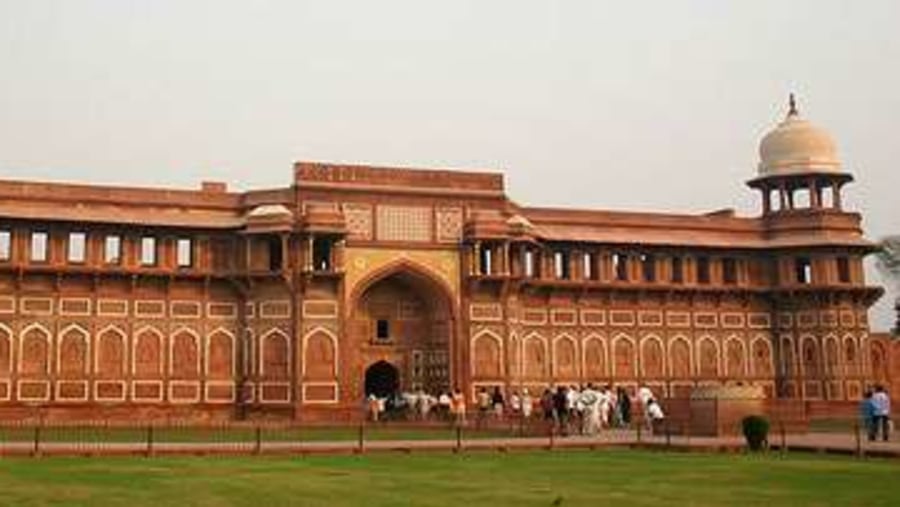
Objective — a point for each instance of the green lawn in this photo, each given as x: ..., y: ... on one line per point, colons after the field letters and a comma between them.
x: 538, y: 478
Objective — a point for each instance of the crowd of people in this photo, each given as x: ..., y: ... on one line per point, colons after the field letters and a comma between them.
x: 572, y: 409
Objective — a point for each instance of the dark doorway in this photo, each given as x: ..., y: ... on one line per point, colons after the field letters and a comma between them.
x: 382, y: 379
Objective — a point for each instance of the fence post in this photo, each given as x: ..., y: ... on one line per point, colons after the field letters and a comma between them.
x: 458, y: 438
x: 361, y: 438
x: 639, y: 424
x: 258, y: 444
x: 150, y: 440
x: 552, y: 435
x: 859, y: 451
x: 36, y: 450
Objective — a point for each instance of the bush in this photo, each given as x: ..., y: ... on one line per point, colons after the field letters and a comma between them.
x: 756, y: 431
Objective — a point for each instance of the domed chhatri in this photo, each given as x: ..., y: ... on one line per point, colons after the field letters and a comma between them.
x: 796, y: 147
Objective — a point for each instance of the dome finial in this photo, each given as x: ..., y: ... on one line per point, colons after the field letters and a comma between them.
x: 792, y: 105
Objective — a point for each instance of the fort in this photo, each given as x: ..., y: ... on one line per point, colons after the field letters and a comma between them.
x: 296, y: 302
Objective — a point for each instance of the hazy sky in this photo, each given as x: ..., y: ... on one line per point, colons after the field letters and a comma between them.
x: 607, y: 104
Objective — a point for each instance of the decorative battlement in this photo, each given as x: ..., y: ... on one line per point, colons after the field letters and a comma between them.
x: 345, y: 174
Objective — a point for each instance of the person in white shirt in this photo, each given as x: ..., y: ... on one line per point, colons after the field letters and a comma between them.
x: 605, y: 406
x: 515, y: 403
x: 655, y: 415
x: 590, y: 403
x: 882, y: 409
x: 527, y: 404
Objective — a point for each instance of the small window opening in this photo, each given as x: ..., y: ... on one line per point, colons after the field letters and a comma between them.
x: 276, y: 254
x: 620, y: 266
x: 648, y: 267
x: 112, y: 249
x: 382, y: 330
x: 590, y: 273
x: 184, y: 254
x: 322, y: 254
x: 677, y: 270
x: 843, y: 269
x: 703, y: 270
x: 561, y: 265
x: 5, y: 245
x: 729, y: 271
x: 39, y: 246
x: 529, y: 264
x: 148, y: 251
x: 803, y: 270
x: 77, y: 246
x: 486, y: 261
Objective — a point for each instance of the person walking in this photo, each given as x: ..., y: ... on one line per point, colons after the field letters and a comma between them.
x: 867, y: 414
x: 882, y: 403
x: 624, y: 406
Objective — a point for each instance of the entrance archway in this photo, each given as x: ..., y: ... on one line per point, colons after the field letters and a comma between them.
x: 382, y: 379
x: 405, y: 316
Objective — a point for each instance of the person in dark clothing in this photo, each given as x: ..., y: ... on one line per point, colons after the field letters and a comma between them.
x: 547, y: 404
x: 561, y: 410
x: 624, y: 407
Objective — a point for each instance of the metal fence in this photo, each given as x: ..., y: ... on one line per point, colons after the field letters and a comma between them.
x: 686, y: 424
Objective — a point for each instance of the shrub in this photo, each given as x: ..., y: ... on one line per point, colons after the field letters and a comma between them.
x: 756, y: 431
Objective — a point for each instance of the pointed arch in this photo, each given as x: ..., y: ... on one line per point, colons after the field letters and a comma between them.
x: 735, y: 357
x: 111, y: 352
x: 275, y: 354
x: 487, y: 354
x: 184, y: 353
x: 761, y: 348
x: 148, y: 344
x: 220, y: 353
x: 534, y: 350
x: 35, y: 342
x: 788, y: 355
x: 6, y: 350
x: 708, y: 357
x: 73, y: 351
x: 624, y: 364
x: 404, y: 266
x: 811, y: 358
x: 831, y: 354
x: 565, y: 353
x: 681, y: 358
x: 514, y: 355
x: 320, y: 353
x: 595, y: 357
x: 653, y: 364
x: 851, y: 355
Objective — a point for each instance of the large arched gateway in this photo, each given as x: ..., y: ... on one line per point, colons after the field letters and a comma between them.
x: 403, y: 318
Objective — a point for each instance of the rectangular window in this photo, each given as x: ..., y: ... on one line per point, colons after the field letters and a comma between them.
x: 620, y: 266
x: 77, y: 247
x: 803, y: 270
x: 5, y: 245
x: 843, y: 269
x: 589, y: 272
x: 148, y: 251
x: 276, y: 255
x: 529, y: 264
x: 382, y: 330
x: 561, y: 265
x: 322, y: 254
x: 648, y: 267
x: 485, y: 261
x: 112, y: 249
x: 677, y: 270
x: 38, y: 246
x: 184, y: 252
x: 703, y: 270
x: 729, y: 271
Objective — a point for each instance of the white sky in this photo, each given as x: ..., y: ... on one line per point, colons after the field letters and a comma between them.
x: 606, y: 104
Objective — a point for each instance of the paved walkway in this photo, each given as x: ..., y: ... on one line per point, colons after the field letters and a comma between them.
x: 816, y: 442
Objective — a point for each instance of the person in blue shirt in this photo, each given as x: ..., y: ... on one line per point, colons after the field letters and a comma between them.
x: 867, y: 412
